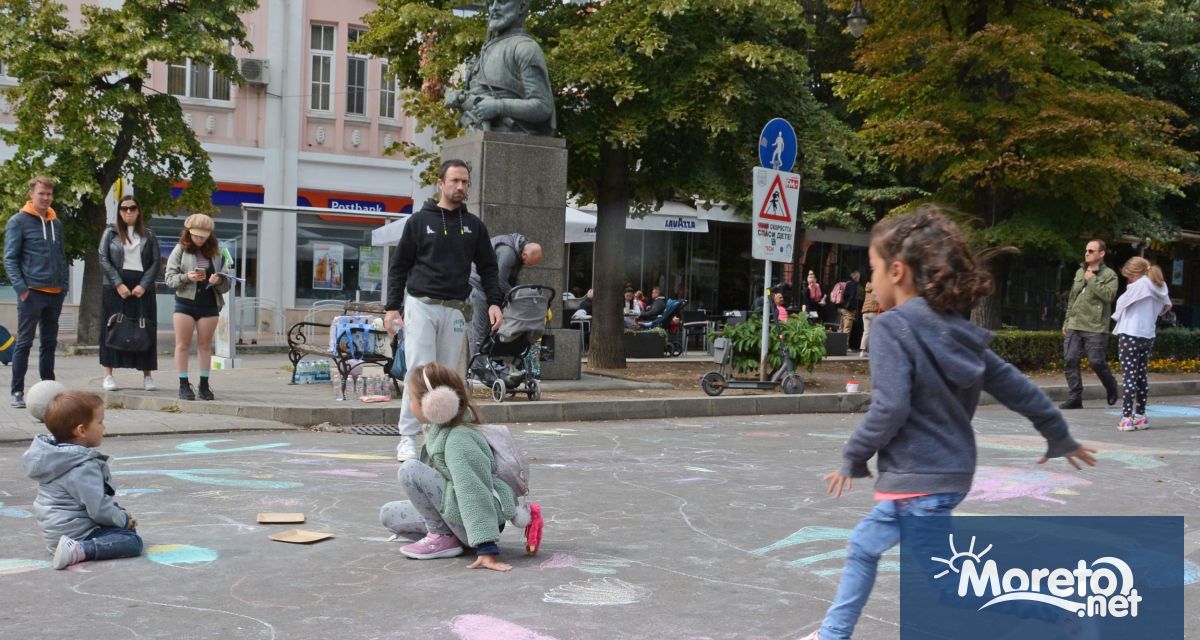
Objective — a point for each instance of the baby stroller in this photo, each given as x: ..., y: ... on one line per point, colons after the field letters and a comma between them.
x: 500, y: 363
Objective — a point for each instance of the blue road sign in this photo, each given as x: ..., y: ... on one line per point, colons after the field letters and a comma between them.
x: 777, y: 145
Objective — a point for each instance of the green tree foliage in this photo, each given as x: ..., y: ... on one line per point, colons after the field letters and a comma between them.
x: 1014, y: 111
x: 657, y: 99
x: 86, y: 116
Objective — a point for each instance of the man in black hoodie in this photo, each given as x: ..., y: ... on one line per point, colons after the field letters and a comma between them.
x: 428, y: 284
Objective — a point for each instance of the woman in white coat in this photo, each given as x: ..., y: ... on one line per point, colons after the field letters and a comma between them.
x: 1137, y: 311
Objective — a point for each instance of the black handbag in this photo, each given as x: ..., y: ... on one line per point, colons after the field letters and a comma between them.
x: 126, y: 333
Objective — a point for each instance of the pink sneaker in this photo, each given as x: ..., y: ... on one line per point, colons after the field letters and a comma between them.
x: 533, y: 532
x: 1126, y: 424
x: 433, y: 545
x: 1140, y: 422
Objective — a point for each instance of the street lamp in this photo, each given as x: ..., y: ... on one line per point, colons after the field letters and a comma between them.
x: 858, y: 19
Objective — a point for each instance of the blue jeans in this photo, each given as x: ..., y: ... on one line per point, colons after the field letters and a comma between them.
x: 879, y: 531
x: 37, y: 313
x: 108, y: 543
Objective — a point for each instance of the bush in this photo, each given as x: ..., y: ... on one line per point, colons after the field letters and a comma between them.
x: 805, y: 343
x: 1034, y: 350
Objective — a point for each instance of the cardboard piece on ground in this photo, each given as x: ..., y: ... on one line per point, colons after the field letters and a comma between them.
x: 280, y: 518
x: 300, y: 536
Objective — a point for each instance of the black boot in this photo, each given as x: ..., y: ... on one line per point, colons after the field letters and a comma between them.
x: 205, y: 392
x: 1072, y: 403
x: 185, y: 390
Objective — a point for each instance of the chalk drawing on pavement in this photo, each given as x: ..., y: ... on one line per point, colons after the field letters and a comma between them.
x: 477, y: 627
x: 821, y: 560
x: 175, y: 555
x: 217, y: 477
x: 550, y: 432
x: 597, y: 592
x: 13, y: 566
x: 595, y: 566
x: 136, y: 491
x: 347, y: 473
x: 999, y: 484
x: 201, y: 447
x: 340, y: 456
x: 13, y: 512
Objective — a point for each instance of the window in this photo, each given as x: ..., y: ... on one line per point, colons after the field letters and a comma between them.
x: 321, y: 47
x: 192, y: 79
x: 387, y: 92
x: 356, y: 77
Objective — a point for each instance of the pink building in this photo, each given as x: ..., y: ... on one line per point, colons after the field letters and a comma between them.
x: 309, y: 129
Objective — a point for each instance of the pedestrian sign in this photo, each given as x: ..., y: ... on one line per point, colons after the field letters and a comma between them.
x: 775, y: 205
x: 777, y: 146
x: 776, y: 208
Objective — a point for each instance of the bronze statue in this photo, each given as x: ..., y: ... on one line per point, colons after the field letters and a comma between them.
x: 507, y: 87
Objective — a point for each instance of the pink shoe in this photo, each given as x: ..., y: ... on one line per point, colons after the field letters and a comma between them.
x: 533, y: 532
x: 1140, y: 422
x: 433, y: 545
x: 1126, y: 424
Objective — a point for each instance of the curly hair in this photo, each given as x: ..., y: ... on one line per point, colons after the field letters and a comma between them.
x: 944, y: 271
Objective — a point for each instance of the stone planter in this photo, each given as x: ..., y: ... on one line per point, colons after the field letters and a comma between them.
x: 644, y: 344
x: 836, y: 344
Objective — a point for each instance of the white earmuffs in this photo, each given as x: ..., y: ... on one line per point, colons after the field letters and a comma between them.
x: 440, y: 404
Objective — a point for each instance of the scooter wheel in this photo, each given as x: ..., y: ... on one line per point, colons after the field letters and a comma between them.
x: 498, y: 391
x: 713, y: 383
x: 793, y: 384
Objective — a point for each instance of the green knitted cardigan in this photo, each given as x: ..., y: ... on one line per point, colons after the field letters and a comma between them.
x: 474, y: 497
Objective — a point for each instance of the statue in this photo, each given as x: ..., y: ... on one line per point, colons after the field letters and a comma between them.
x: 507, y: 87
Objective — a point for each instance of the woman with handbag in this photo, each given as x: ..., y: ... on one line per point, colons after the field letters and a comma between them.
x: 130, y: 259
x: 196, y: 270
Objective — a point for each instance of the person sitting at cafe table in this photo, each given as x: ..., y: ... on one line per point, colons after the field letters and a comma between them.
x: 656, y: 308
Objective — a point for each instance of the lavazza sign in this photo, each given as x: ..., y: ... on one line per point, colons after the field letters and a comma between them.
x: 1103, y: 588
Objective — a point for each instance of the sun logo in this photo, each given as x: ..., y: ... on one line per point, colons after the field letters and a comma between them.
x: 959, y: 557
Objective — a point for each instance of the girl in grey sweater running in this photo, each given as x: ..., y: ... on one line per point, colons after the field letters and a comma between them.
x: 928, y: 367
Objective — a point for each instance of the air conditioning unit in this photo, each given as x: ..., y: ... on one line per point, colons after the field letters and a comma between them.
x: 255, y: 70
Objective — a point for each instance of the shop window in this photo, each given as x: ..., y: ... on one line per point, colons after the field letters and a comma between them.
x: 336, y: 261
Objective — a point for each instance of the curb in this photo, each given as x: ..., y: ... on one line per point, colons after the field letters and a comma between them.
x: 587, y: 410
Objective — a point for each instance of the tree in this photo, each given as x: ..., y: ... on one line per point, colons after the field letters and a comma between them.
x: 657, y: 99
x: 86, y: 116
x: 1012, y: 111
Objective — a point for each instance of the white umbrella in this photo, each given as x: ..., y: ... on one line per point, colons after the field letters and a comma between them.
x: 580, y: 227
x: 389, y: 234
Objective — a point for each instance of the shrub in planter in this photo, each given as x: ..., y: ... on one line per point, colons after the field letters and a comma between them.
x: 1034, y: 350
x: 805, y: 343
x: 649, y: 343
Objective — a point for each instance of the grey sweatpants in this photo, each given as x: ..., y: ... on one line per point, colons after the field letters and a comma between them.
x: 432, y: 333
x: 479, y: 322
x: 419, y: 514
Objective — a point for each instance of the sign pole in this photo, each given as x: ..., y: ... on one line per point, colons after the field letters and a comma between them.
x: 766, y: 321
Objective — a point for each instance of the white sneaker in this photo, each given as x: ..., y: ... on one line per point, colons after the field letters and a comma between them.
x: 68, y: 553
x: 407, y: 449
x: 148, y: 384
x: 110, y: 384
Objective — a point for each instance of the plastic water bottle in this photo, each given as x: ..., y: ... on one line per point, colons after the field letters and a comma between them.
x: 325, y: 371
x: 338, y: 394
x: 302, y: 375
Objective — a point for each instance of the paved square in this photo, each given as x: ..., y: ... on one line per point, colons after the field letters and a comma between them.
x: 686, y: 528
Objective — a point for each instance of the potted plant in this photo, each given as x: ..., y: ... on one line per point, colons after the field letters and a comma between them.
x: 804, y: 341
x: 649, y: 343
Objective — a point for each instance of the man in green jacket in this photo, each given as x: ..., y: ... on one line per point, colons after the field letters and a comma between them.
x: 1086, y: 326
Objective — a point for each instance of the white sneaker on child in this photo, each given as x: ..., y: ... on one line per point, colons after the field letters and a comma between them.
x: 110, y: 383
x: 68, y: 553
x: 407, y: 449
x: 148, y: 384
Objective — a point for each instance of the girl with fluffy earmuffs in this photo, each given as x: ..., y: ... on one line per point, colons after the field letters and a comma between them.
x: 455, y: 497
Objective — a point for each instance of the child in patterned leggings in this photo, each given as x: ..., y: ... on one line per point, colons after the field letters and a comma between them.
x: 1137, y: 310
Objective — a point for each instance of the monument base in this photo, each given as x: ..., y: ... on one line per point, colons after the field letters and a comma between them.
x: 519, y: 185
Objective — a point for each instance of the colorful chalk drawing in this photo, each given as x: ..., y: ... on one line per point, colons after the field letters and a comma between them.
x: 810, y: 535
x: 595, y: 566
x: 348, y: 473
x: 597, y: 592
x: 13, y: 512
x: 477, y: 627
x: 13, y: 566
x: 213, y: 476
x: 997, y: 484
x: 1132, y: 456
x: 136, y: 492
x: 1166, y: 411
x: 340, y: 456
x: 1191, y: 573
x: 551, y: 432
x: 174, y: 555
x: 700, y: 469
x: 200, y: 447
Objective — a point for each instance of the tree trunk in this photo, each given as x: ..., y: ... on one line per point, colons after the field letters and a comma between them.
x: 612, y: 207
x: 987, y: 312
x: 87, y: 322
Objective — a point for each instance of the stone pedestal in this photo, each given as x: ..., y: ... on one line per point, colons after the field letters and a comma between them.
x: 519, y: 185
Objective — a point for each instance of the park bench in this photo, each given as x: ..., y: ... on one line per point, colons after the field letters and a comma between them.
x: 303, y: 341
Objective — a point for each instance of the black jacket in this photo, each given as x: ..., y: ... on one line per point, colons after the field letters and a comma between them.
x: 435, y: 255
x: 655, y: 310
x: 112, y: 258
x: 852, y: 300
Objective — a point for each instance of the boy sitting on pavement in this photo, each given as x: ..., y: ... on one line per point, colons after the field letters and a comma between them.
x: 75, y: 506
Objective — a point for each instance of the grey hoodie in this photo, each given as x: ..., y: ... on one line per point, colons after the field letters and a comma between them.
x: 75, y: 494
x: 927, y: 371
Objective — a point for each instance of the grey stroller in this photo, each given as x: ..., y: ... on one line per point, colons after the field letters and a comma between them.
x: 503, y: 362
